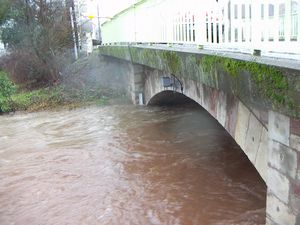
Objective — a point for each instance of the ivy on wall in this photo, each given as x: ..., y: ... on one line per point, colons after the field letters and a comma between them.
x: 269, y: 79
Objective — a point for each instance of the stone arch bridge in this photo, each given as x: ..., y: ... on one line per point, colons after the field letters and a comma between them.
x: 257, y: 103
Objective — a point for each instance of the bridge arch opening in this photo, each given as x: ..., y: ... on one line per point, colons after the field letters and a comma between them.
x: 171, y: 98
x: 237, y: 166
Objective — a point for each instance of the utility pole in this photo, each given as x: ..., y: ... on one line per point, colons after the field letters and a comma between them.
x: 74, y: 35
x: 71, y: 4
x: 99, y: 29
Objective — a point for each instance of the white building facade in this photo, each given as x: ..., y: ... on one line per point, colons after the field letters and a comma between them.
x: 88, y: 24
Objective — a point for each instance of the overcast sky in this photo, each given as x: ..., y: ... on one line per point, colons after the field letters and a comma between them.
x: 111, y: 7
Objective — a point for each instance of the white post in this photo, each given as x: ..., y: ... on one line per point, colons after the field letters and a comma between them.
x: 287, y: 22
x: 266, y: 22
x: 180, y: 25
x: 240, y: 22
x: 221, y: 23
x: 176, y: 28
x: 226, y: 22
x: 98, y: 23
x: 200, y: 26
x: 298, y: 37
x: 185, y: 26
x: 134, y: 19
x: 220, y: 31
x: 188, y: 22
x: 190, y: 26
x: 215, y: 24
x: 247, y: 23
x: 173, y: 29
x: 276, y: 22
x: 181, y: 28
x: 209, y: 30
x: 170, y: 27
x: 233, y: 22
x: 255, y: 24
x: 73, y: 32
x: 141, y: 99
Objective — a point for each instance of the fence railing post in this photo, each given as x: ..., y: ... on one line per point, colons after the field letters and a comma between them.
x: 287, y: 22
x: 298, y: 37
x: 226, y: 22
x: 276, y: 23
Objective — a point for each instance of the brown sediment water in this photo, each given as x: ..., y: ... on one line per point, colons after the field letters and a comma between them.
x: 125, y: 165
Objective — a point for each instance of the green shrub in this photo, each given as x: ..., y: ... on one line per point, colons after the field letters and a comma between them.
x: 7, y: 88
x: 37, y: 99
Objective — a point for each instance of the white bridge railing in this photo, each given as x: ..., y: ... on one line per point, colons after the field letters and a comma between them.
x: 270, y: 26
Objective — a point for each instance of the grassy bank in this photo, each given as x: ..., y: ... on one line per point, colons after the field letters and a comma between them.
x: 88, y: 81
x: 60, y: 97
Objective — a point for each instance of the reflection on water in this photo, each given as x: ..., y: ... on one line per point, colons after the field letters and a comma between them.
x: 124, y: 165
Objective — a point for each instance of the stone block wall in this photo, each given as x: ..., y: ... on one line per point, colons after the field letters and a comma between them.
x: 283, y: 200
x: 136, y: 82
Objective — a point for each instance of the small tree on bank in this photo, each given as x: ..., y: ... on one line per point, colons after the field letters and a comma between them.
x: 6, y: 90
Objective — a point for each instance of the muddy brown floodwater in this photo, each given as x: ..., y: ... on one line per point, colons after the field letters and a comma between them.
x: 124, y: 165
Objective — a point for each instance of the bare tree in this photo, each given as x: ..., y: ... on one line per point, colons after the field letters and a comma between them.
x: 38, y: 34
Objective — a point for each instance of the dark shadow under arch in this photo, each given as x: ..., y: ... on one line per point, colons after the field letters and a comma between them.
x: 171, y: 98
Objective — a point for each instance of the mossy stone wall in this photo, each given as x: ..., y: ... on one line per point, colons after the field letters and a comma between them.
x: 258, y: 85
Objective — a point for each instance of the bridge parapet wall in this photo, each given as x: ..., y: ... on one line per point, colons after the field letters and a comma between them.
x: 257, y: 104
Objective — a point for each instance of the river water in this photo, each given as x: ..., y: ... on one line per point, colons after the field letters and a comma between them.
x: 124, y: 165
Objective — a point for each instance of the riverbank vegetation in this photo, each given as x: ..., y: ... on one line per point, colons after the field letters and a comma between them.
x: 81, y: 90
x: 38, y: 70
x: 38, y: 40
x: 7, y: 89
x: 14, y: 98
x: 37, y: 35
